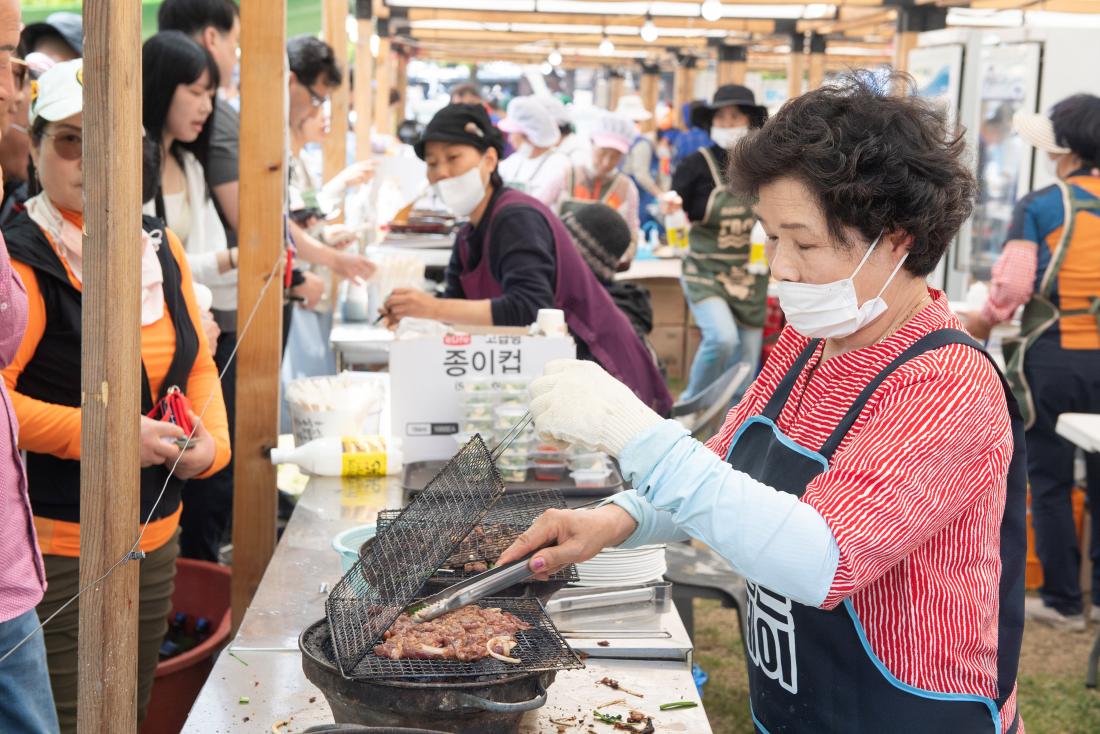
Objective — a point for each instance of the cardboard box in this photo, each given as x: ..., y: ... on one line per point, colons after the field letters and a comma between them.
x: 667, y: 297
x: 669, y: 343
x: 427, y: 375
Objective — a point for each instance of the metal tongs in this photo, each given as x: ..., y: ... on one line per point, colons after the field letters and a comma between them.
x: 472, y: 589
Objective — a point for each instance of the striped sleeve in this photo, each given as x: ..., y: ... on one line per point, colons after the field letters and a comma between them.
x: 925, y: 453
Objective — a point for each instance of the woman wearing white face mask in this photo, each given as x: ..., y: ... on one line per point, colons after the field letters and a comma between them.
x: 727, y: 299
x: 514, y: 256
x: 870, y: 486
x: 536, y: 168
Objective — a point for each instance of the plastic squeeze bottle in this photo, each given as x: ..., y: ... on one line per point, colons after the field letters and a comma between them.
x: 347, y: 456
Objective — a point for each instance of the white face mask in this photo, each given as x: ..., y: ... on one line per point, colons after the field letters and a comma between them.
x: 462, y: 193
x: 832, y: 310
x: 727, y: 137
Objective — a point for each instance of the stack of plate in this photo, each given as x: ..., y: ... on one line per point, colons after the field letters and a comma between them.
x: 623, y: 567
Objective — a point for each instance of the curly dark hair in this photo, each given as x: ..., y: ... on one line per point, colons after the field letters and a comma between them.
x: 1076, y: 123
x: 874, y: 161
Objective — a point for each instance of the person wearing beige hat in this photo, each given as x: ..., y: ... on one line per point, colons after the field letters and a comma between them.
x: 536, y: 168
x: 1050, y: 265
x: 642, y: 163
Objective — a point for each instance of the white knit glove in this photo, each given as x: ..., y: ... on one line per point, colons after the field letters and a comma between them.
x: 579, y: 403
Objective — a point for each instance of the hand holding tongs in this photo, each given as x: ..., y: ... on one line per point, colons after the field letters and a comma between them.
x: 472, y: 589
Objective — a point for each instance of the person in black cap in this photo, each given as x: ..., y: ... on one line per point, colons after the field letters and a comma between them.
x: 514, y: 257
x: 728, y: 301
x: 60, y: 36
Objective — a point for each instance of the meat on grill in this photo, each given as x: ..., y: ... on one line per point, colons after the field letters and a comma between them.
x: 462, y: 635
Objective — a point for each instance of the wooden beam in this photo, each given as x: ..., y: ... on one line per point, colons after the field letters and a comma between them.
x: 334, y: 149
x: 515, y: 38
x: 364, y: 79
x: 262, y: 195
x: 383, y: 79
x: 615, y: 83
x: 732, y: 64
x: 795, y: 65
x: 817, y: 62
x: 650, y: 91
x: 401, y: 82
x: 683, y: 88
x: 759, y: 25
x: 110, y: 374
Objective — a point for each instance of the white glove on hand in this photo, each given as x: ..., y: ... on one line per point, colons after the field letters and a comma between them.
x: 578, y: 402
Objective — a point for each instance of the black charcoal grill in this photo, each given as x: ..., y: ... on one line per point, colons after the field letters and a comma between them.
x: 364, y: 688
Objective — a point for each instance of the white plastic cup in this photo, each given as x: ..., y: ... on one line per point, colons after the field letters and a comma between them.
x: 551, y: 322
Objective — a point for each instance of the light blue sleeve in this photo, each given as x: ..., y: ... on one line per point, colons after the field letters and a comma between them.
x: 682, y: 489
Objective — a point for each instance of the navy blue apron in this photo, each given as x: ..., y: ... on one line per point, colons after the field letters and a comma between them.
x: 812, y: 670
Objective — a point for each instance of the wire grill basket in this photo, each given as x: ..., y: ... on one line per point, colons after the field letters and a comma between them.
x: 387, y: 576
x: 509, y: 516
x: 539, y: 648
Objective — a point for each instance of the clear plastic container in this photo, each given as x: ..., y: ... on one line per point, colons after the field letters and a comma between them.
x: 516, y: 387
x: 480, y: 398
x: 591, y: 478
x: 507, y: 416
x: 547, y: 453
x: 549, y: 470
x: 482, y: 426
x: 478, y: 384
x: 513, y: 460
x: 515, y: 476
x: 478, y: 412
x: 590, y: 461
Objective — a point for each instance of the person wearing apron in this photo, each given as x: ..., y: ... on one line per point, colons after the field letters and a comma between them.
x: 600, y: 180
x: 1050, y: 265
x: 727, y: 295
x: 536, y: 168
x: 870, y: 486
x: 514, y: 257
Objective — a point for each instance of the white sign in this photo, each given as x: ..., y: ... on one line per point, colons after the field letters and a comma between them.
x: 427, y: 375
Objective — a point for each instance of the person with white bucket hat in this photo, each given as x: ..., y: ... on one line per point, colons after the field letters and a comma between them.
x: 536, y: 168
x: 1050, y: 265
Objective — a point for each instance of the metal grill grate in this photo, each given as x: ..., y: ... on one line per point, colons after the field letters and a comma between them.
x: 540, y: 648
x: 506, y: 520
x: 387, y: 576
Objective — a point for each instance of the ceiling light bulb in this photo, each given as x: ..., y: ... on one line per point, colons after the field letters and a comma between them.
x: 554, y: 58
x: 546, y: 69
x: 606, y: 46
x: 649, y: 31
x: 711, y: 10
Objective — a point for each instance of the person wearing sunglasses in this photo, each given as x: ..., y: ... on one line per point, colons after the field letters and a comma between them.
x: 46, y: 245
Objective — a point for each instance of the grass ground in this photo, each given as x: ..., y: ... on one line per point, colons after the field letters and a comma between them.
x: 1052, y: 695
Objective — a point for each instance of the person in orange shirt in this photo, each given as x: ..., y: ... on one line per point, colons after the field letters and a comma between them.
x: 46, y: 246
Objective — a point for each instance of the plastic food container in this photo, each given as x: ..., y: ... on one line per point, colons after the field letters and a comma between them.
x: 549, y: 470
x: 548, y: 453
x: 507, y: 416
x: 478, y: 385
x: 513, y: 460
x: 478, y: 412
x: 591, y: 478
x: 482, y: 426
x: 593, y: 461
x: 514, y: 387
x: 514, y: 476
x: 486, y: 398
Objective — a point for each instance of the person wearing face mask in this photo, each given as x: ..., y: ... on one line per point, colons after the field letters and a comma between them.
x: 600, y: 179
x: 514, y: 257
x: 727, y: 298
x: 536, y: 168
x: 871, y: 485
x: 46, y: 245
x: 1050, y: 265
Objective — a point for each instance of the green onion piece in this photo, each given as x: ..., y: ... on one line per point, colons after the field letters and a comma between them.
x: 678, y: 705
x: 244, y: 699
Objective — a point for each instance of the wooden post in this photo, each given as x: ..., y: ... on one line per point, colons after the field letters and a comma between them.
x: 110, y: 373
x: 334, y: 15
x: 795, y: 63
x: 732, y: 64
x: 683, y: 86
x: 401, y: 81
x: 817, y: 61
x: 615, y: 83
x: 911, y: 22
x: 364, y: 78
x: 383, y: 78
x: 650, y: 91
x: 263, y: 189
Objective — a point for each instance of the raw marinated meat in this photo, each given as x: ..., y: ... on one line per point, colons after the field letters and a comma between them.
x: 467, y: 634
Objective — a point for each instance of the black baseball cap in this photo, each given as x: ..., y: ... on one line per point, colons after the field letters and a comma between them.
x: 465, y: 124
x: 70, y: 26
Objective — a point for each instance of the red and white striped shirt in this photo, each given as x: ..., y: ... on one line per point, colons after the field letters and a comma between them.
x: 914, y: 496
